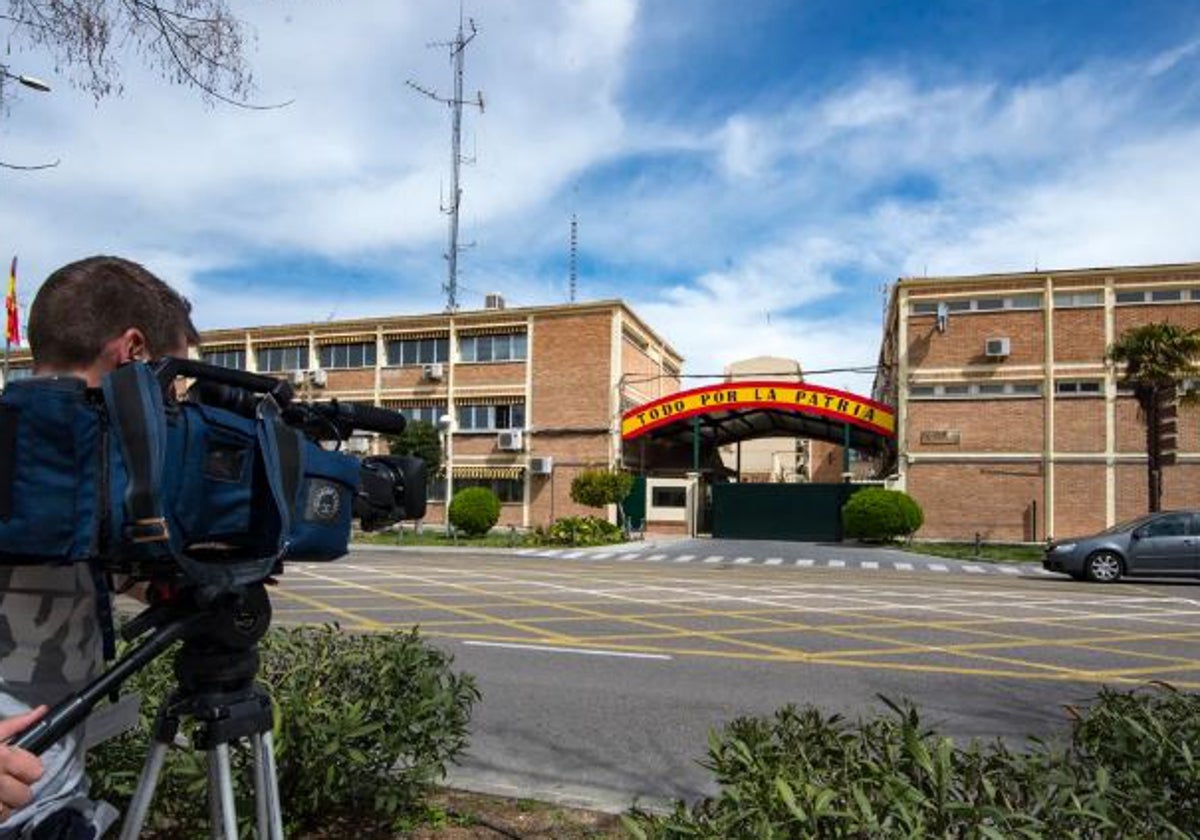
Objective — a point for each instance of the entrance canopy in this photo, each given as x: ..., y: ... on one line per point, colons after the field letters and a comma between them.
x: 716, y: 415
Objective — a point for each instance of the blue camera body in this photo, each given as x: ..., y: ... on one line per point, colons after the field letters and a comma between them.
x: 118, y: 478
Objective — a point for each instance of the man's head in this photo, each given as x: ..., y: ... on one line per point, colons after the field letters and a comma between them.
x: 93, y: 315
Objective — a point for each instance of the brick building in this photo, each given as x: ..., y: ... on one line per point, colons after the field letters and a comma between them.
x: 535, y: 393
x: 1010, y: 423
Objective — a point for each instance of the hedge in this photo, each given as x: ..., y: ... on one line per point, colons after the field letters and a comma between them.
x: 874, y: 513
x: 364, y: 726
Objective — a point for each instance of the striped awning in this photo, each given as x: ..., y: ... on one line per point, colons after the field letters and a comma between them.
x: 345, y: 338
x: 411, y: 335
x: 260, y: 343
x: 488, y: 399
x: 414, y: 403
x: 487, y: 471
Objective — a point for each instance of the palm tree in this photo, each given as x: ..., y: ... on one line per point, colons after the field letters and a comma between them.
x: 1157, y: 358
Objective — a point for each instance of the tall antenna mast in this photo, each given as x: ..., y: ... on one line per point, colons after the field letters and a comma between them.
x: 574, y: 253
x: 456, y: 102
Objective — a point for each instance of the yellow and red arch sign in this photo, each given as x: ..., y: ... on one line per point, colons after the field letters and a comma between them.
x: 799, y: 398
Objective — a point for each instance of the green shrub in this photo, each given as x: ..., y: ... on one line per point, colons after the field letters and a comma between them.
x: 474, y: 511
x: 1129, y: 772
x: 581, y: 531
x: 597, y: 488
x: 874, y: 513
x: 364, y: 725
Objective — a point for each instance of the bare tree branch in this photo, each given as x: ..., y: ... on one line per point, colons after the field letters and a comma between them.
x: 195, y: 43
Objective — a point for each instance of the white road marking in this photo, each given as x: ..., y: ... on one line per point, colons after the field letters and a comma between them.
x: 657, y: 557
x: 773, y: 561
x: 870, y: 564
x: 836, y: 564
x: 714, y: 558
x: 685, y: 558
x: 1008, y: 570
x: 804, y: 562
x: 584, y: 651
x: 741, y: 561
x: 979, y: 570
x: 937, y: 567
x: 903, y: 567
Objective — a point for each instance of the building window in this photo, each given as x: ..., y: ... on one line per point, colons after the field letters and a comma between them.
x: 1157, y: 295
x: 357, y: 355
x: 23, y: 372
x: 669, y: 497
x: 276, y: 359
x: 510, y: 347
x: 1078, y: 388
x: 418, y: 351
x: 1075, y: 300
x: 490, y: 418
x: 235, y: 359
x: 427, y: 413
x: 988, y: 304
x: 974, y: 390
x: 509, y: 490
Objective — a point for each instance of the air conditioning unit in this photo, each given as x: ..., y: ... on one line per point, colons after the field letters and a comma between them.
x: 297, y: 377
x: 997, y: 348
x: 541, y: 466
x: 510, y: 441
x: 319, y: 377
x: 493, y: 300
x: 434, y: 372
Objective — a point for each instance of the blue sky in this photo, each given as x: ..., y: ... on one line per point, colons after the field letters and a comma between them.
x: 749, y: 176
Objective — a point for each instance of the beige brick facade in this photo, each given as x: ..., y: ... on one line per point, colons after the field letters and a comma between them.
x: 1041, y: 440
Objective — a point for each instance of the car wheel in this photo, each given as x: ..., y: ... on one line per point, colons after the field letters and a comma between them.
x: 1105, y: 567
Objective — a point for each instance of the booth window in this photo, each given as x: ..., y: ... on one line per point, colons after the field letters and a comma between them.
x: 669, y: 497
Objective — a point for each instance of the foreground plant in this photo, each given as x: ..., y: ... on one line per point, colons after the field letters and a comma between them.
x: 1129, y: 771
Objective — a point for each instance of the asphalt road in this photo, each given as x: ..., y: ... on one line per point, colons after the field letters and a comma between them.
x: 602, y: 675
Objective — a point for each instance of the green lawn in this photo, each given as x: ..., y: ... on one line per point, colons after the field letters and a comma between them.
x: 987, y: 553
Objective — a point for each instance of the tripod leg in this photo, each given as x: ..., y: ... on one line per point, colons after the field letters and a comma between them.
x: 266, y: 788
x: 139, y: 806
x: 221, y: 807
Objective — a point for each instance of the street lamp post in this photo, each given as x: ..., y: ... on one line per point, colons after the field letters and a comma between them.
x: 445, y: 425
x: 33, y: 83
x: 30, y: 82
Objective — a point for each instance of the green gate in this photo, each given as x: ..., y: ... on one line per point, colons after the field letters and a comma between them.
x: 802, y: 512
x: 635, y: 504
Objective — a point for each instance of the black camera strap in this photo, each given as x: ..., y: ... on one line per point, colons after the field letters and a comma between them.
x: 134, y: 401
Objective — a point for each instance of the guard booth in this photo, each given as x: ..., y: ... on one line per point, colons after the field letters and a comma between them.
x: 680, y: 435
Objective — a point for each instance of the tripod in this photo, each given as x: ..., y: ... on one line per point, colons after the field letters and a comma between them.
x: 215, y: 670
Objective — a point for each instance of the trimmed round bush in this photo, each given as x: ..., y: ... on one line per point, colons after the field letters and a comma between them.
x: 474, y: 511
x: 878, y: 514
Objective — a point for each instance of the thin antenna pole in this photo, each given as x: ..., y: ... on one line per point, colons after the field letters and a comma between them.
x: 574, y: 253
x: 458, y: 49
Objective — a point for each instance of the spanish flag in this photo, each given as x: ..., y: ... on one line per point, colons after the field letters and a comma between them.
x: 13, y: 333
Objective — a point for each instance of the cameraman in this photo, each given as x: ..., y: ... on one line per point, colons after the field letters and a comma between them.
x: 89, y: 318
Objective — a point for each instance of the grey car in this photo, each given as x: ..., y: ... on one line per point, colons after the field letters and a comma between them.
x: 1158, y: 544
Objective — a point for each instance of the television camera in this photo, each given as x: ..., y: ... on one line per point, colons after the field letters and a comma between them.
x: 203, y: 494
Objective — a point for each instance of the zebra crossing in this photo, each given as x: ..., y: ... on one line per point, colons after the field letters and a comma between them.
x: 914, y: 564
